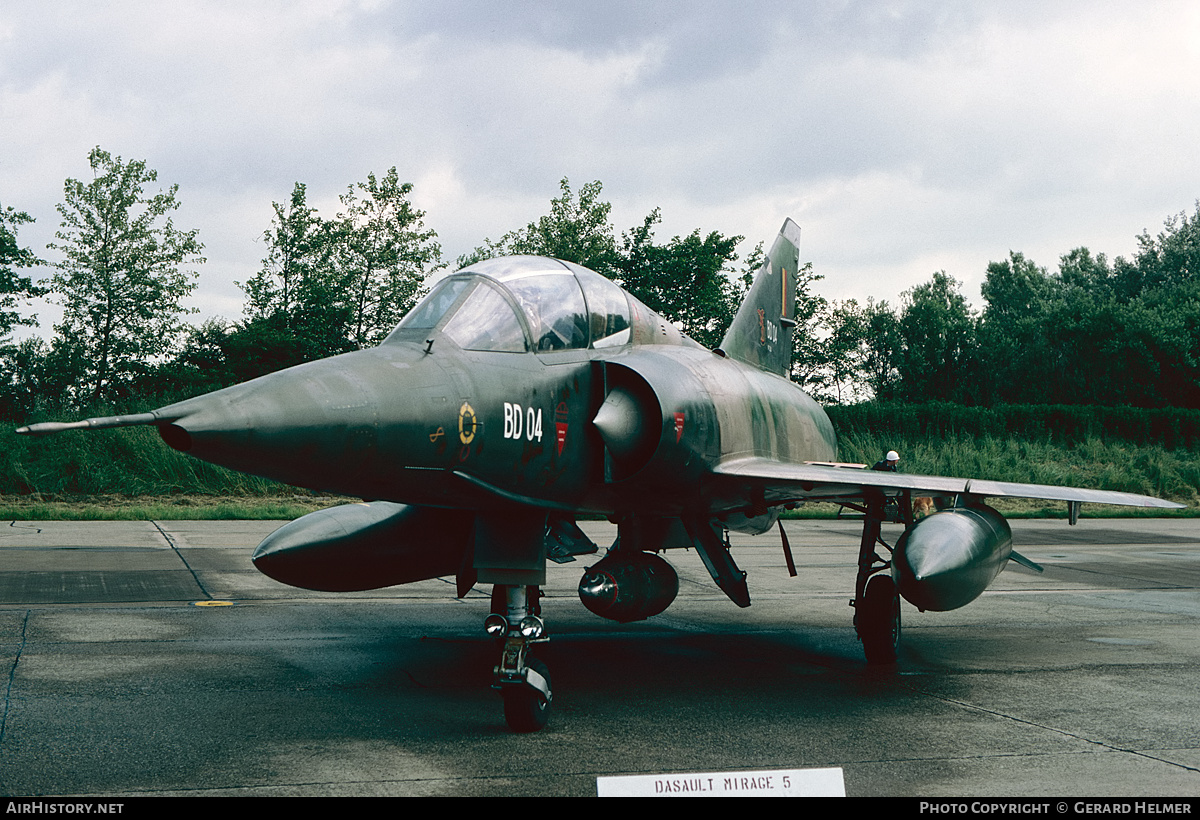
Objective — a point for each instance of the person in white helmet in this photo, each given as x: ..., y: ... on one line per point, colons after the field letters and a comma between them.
x: 889, y: 462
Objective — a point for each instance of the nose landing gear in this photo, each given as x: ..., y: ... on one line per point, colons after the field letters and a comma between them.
x: 522, y: 680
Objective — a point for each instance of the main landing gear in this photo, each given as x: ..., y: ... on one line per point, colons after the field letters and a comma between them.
x: 522, y: 680
x: 876, y: 601
x: 877, y: 620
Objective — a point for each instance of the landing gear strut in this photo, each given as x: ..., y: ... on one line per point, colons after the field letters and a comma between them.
x: 522, y: 680
x: 876, y: 601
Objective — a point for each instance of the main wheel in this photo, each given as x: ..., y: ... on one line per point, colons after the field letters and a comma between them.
x: 525, y: 709
x: 879, y: 620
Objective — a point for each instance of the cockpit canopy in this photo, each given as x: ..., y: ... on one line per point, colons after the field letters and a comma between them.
x: 515, y: 304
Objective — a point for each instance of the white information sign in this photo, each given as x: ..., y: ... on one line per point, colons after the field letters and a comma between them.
x: 774, y: 783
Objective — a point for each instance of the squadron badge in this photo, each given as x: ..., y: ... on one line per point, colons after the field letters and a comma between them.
x: 466, y: 423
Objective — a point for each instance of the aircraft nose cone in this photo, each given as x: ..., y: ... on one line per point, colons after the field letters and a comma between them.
x: 314, y: 425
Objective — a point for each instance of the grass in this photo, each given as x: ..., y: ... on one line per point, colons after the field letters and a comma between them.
x: 130, y: 461
x: 1145, y: 469
x: 168, y: 508
x: 1016, y: 508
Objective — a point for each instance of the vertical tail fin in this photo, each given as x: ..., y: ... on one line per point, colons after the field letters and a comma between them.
x: 761, y: 333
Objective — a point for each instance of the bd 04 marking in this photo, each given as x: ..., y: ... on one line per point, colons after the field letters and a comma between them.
x: 520, y: 421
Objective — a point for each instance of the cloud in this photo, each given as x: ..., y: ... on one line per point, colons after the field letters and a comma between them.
x: 905, y: 137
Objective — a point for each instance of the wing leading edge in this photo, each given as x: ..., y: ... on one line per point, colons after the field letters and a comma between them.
x: 781, y: 483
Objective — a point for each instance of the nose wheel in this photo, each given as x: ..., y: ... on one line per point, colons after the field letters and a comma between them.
x: 522, y: 680
x: 527, y: 706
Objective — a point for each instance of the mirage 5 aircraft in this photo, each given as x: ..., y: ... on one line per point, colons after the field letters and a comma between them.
x: 523, y: 392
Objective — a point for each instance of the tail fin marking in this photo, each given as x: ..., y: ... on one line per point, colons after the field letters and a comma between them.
x: 761, y: 332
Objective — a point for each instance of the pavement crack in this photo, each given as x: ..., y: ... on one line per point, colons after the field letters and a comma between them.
x: 175, y: 548
x: 12, y: 674
x: 1063, y: 732
x: 1128, y: 576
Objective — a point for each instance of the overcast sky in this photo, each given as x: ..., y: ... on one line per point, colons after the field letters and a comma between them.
x: 904, y: 137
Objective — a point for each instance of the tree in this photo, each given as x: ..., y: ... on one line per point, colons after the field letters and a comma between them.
x: 577, y: 229
x: 384, y: 255
x: 843, y: 352
x: 298, y: 268
x: 808, y: 348
x: 296, y: 310
x: 119, y: 281
x: 15, y: 288
x: 38, y: 377
x: 884, y: 344
x: 687, y: 280
x: 22, y: 371
x: 938, y: 333
x: 332, y: 285
x: 278, y: 341
x: 1170, y: 259
x: 1017, y: 363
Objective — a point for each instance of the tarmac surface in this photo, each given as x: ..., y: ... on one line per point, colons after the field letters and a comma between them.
x: 1082, y: 681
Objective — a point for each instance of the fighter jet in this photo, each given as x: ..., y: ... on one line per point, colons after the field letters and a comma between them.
x: 524, y: 392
